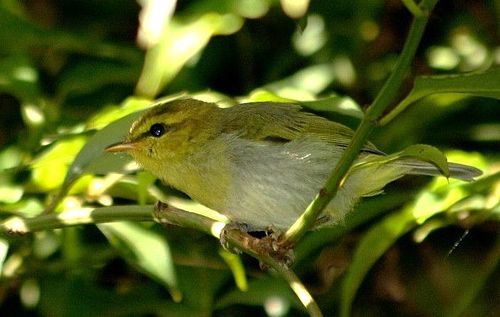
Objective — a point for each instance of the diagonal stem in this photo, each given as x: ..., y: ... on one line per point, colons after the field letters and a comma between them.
x: 386, y: 95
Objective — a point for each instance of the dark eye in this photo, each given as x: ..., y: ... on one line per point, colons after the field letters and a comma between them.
x: 157, y: 130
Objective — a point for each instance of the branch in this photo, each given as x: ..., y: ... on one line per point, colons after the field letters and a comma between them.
x: 238, y: 240
x: 165, y: 214
x: 76, y: 217
x: 386, y: 95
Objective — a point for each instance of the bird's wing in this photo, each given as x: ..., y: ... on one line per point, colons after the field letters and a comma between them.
x: 279, y: 122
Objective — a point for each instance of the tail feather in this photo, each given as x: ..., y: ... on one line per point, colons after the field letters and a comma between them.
x: 458, y: 171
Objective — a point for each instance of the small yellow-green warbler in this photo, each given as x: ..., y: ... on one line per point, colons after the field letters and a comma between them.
x: 260, y: 164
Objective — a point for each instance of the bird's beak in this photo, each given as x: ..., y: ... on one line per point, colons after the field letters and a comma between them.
x: 121, y: 147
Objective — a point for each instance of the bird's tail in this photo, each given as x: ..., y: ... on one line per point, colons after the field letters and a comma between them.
x: 459, y: 171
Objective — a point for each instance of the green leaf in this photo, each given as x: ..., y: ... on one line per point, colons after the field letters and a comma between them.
x: 479, y: 279
x: 146, y: 250
x: 144, y: 181
x: 261, y: 292
x: 88, y: 76
x: 236, y: 265
x: 482, y: 84
x: 76, y: 295
x: 18, y: 34
x: 93, y: 159
x: 373, y: 245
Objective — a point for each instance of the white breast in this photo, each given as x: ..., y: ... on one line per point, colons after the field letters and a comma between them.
x: 272, y: 184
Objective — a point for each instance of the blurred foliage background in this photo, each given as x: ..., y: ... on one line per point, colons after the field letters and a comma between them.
x: 69, y: 67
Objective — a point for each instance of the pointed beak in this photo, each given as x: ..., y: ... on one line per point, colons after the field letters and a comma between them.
x: 121, y: 147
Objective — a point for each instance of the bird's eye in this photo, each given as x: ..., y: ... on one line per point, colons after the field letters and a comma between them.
x: 157, y: 130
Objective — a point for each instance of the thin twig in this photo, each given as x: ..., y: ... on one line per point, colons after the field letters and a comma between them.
x: 385, y: 97
x: 76, y: 217
x: 413, y: 8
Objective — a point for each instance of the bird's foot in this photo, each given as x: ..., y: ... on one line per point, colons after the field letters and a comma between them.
x: 226, y: 232
x: 272, y: 244
x: 269, y: 245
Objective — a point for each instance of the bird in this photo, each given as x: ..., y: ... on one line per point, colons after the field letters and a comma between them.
x: 261, y: 163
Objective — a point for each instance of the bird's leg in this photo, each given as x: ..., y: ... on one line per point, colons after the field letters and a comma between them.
x: 159, y: 211
x: 273, y: 243
x: 269, y: 245
x: 232, y: 226
x: 234, y: 237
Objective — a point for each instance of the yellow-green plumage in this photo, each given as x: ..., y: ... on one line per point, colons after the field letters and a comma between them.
x: 259, y: 163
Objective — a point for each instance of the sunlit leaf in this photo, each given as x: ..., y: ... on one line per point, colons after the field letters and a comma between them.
x: 10, y: 193
x: 236, y: 265
x: 295, y: 8
x: 93, y: 159
x: 153, y: 18
x: 145, y: 249
x: 263, y: 95
x: 113, y: 113
x: 342, y: 105
x: 251, y: 9
x: 49, y: 170
x: 338, y: 104
x: 10, y: 157
x: 180, y: 42
x: 19, y: 78
x: 305, y: 83
x: 27, y: 207
x: 4, y: 248
x: 144, y: 181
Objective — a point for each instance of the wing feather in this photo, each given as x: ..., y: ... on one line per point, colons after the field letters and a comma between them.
x: 281, y: 122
